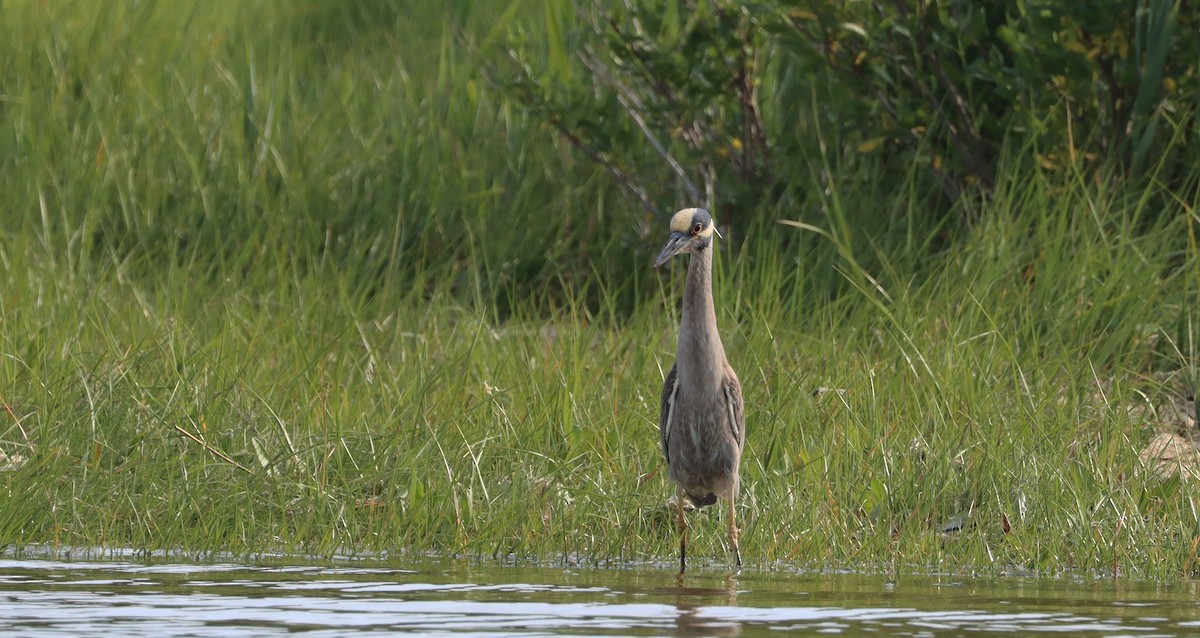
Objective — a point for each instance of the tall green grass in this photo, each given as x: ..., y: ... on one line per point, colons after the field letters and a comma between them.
x: 289, y: 278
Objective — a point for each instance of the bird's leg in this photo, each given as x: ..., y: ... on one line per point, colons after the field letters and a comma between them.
x: 733, y: 535
x: 683, y: 531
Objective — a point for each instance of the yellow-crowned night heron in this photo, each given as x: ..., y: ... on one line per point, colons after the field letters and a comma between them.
x: 702, y: 422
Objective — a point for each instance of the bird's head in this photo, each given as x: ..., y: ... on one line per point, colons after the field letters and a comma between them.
x: 692, y: 230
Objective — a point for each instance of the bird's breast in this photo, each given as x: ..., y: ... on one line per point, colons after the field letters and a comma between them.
x: 703, y: 450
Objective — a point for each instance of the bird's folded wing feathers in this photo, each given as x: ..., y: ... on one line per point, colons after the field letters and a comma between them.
x: 737, y: 414
x: 670, y: 386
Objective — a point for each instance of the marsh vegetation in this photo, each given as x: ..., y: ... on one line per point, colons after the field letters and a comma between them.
x: 318, y: 277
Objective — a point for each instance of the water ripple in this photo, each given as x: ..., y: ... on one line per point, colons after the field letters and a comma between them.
x: 44, y: 597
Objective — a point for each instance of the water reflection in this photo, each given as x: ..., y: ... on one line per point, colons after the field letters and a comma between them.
x: 48, y: 597
x: 689, y: 604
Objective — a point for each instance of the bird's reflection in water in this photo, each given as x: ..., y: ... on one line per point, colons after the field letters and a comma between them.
x: 691, y: 601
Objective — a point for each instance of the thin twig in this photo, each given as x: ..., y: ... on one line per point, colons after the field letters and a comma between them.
x: 632, y: 104
x: 282, y: 430
x: 212, y: 450
x: 17, y: 421
x: 978, y: 145
x: 623, y: 178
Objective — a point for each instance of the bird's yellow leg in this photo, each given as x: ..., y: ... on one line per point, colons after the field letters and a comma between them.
x: 733, y: 535
x: 683, y: 531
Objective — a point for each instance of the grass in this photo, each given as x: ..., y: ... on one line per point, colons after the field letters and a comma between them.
x: 289, y: 278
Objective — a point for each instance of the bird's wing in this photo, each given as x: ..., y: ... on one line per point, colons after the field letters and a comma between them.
x: 737, y: 411
x: 670, y: 388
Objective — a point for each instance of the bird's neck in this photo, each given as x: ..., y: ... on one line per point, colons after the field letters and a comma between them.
x: 699, y: 341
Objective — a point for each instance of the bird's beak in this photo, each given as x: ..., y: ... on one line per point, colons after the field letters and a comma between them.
x: 675, y: 244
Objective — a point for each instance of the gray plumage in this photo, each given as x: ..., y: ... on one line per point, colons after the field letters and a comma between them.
x: 702, y: 420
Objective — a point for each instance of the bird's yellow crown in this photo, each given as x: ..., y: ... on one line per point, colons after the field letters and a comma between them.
x: 688, y: 219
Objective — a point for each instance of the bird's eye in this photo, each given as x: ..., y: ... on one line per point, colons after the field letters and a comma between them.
x: 697, y: 228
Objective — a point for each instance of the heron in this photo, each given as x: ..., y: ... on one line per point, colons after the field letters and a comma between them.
x: 702, y: 420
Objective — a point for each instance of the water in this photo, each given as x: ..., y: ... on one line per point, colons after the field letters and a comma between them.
x: 464, y: 598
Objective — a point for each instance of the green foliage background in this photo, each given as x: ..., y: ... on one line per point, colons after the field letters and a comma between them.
x: 374, y: 277
x: 740, y: 93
